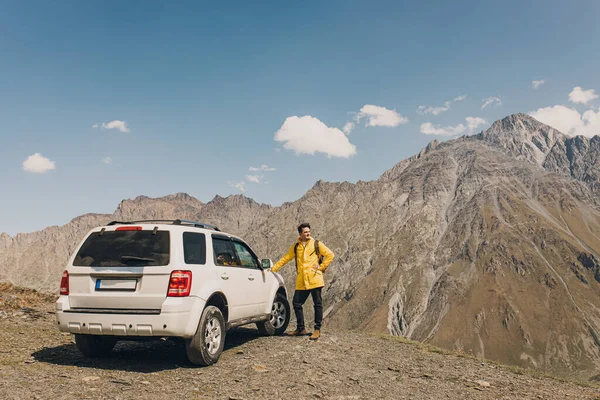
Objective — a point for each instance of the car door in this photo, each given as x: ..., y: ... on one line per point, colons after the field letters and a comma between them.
x: 234, y: 280
x: 257, y: 284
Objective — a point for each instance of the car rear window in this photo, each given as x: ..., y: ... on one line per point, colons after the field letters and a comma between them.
x: 124, y: 249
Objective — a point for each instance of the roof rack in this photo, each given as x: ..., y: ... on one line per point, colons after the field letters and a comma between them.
x: 172, y: 221
x: 195, y: 224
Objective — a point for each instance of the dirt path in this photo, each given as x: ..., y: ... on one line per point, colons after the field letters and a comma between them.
x: 39, y: 362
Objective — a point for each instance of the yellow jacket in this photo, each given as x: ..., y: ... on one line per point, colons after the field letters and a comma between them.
x: 307, y: 277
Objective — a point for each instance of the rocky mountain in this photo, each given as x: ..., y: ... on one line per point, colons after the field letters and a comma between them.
x: 489, y: 244
x: 525, y: 138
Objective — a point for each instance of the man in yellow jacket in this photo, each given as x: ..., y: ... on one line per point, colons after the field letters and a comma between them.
x: 309, y: 281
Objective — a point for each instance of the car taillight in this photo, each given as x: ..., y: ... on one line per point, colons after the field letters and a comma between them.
x: 180, y: 284
x: 64, y: 284
x: 129, y: 228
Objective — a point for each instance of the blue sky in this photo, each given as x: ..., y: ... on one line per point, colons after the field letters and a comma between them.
x: 106, y: 100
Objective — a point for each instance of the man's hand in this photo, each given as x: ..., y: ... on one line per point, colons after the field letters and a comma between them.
x: 315, y: 267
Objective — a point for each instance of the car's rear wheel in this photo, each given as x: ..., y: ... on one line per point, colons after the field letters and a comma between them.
x: 280, y: 317
x: 95, y: 345
x: 207, y: 344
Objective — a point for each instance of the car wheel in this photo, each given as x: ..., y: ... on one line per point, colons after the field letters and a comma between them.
x: 280, y: 317
x: 207, y: 344
x: 94, y: 345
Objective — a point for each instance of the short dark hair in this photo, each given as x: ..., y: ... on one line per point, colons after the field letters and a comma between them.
x: 302, y: 226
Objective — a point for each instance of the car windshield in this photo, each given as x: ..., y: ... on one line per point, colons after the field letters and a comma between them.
x: 124, y: 248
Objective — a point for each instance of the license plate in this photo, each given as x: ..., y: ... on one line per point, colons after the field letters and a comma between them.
x: 116, y: 284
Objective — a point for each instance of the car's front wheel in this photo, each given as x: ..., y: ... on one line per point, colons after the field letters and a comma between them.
x: 280, y: 317
x: 95, y: 345
x: 207, y: 344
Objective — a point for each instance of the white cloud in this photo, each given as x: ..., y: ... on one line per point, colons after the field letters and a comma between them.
x: 563, y: 118
x: 578, y: 95
x: 116, y: 124
x: 263, y: 167
x: 569, y: 121
x: 472, y: 124
x: 429, y: 129
x: 434, y: 110
x: 107, y: 160
x: 308, y: 135
x: 348, y: 127
x: 490, y: 101
x: 241, y: 186
x: 254, y: 178
x: 537, y: 84
x: 438, y: 110
x: 380, y: 116
x: 38, y: 164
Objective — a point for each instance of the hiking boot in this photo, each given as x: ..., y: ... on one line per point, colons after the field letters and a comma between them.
x: 301, y: 332
x: 316, y: 334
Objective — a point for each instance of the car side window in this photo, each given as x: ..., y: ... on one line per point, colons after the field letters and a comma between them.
x: 224, y: 252
x: 246, y: 258
x: 194, y: 248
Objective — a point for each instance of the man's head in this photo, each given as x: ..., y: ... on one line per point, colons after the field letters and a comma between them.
x: 304, y: 231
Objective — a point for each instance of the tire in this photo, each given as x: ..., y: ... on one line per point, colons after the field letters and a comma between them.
x: 207, y: 344
x: 280, y: 317
x: 95, y: 345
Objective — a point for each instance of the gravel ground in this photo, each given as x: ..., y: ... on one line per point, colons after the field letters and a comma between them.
x: 39, y: 362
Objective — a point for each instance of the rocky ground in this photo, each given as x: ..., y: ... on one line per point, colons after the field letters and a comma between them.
x: 39, y: 362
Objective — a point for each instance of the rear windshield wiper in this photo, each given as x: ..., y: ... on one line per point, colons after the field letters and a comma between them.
x: 134, y: 258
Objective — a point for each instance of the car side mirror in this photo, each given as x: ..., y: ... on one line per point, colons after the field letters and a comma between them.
x: 266, y: 263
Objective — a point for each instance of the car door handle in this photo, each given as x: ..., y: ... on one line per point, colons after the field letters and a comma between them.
x: 250, y: 277
x: 224, y: 276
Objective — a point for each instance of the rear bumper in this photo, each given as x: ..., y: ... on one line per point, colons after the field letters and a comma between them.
x: 178, y: 317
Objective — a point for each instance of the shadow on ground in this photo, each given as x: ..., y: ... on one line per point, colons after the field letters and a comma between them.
x: 145, y: 356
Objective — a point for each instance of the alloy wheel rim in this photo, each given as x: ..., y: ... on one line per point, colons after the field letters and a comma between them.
x: 212, y: 335
x: 278, y: 315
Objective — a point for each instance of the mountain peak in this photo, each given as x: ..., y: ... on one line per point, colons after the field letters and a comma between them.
x: 520, y: 116
x: 231, y: 199
x: 181, y: 196
x: 523, y: 136
x: 519, y: 121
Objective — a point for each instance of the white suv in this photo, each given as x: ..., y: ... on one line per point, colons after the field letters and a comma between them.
x: 140, y: 279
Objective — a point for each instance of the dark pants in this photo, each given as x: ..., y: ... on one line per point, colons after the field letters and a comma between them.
x: 300, y: 297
